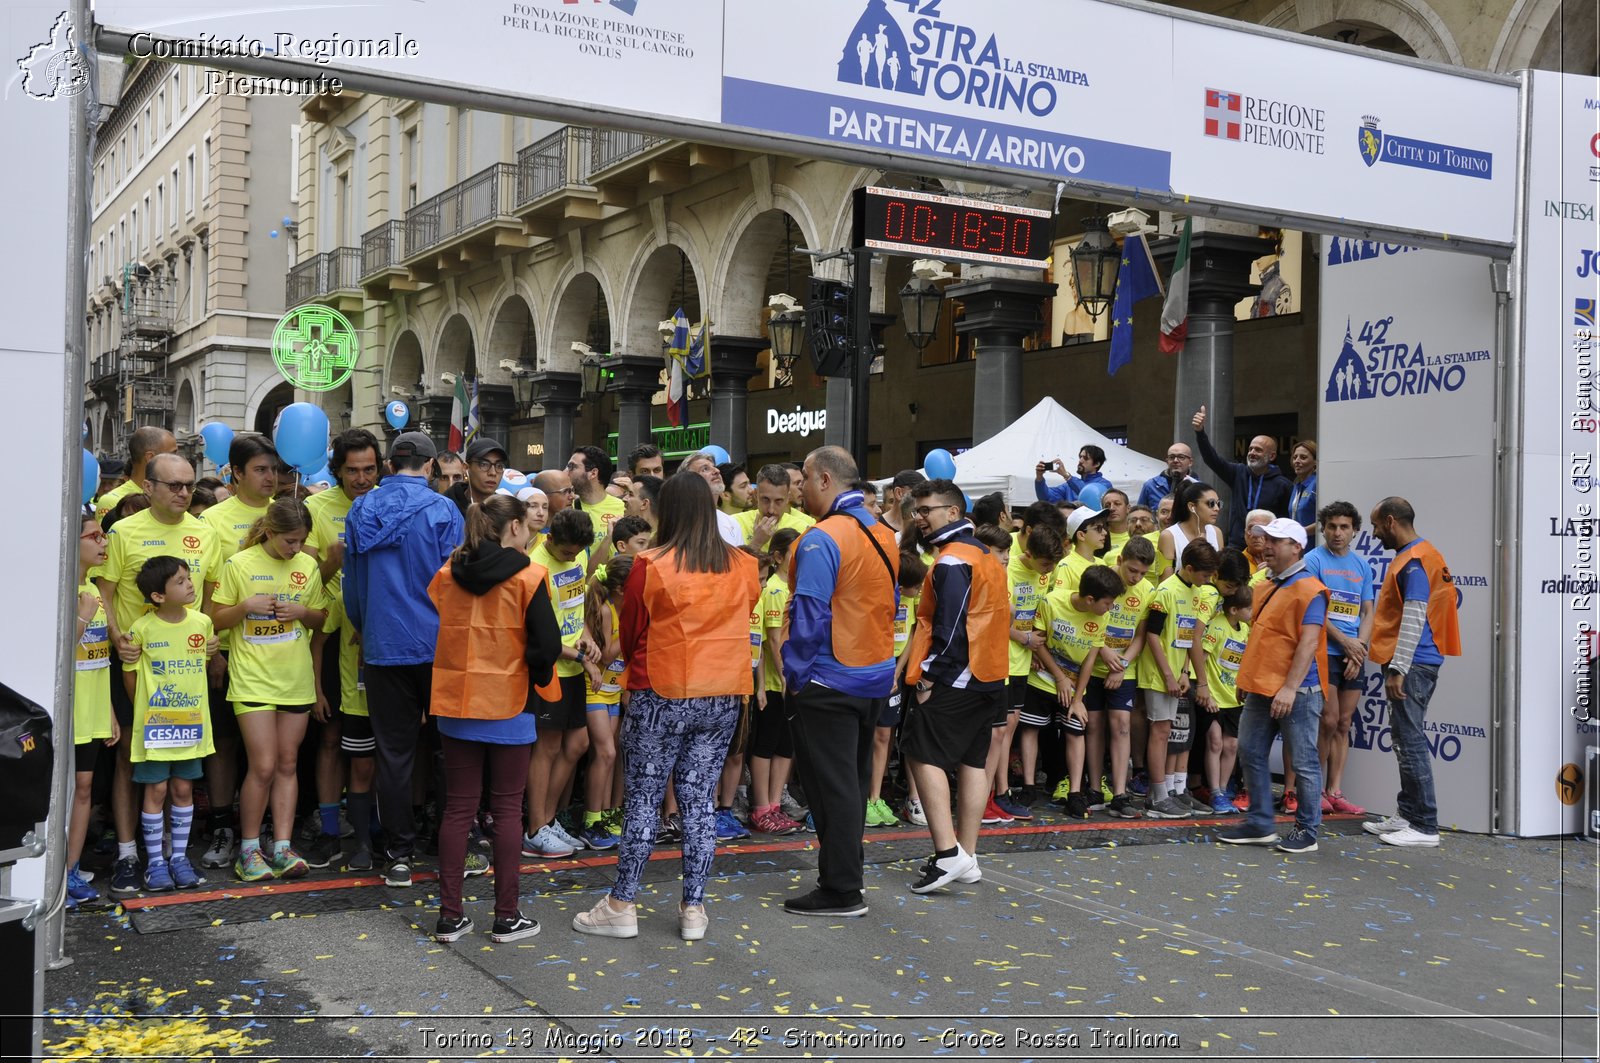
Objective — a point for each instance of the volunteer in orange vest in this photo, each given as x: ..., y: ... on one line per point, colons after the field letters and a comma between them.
x: 838, y: 663
x: 498, y: 640
x: 1415, y: 629
x: 686, y: 637
x: 958, y: 661
x: 1281, y: 679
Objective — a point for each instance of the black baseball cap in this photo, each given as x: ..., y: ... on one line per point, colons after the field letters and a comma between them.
x: 412, y: 445
x: 481, y: 447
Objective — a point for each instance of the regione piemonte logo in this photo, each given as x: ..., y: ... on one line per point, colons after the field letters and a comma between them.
x: 1223, y: 114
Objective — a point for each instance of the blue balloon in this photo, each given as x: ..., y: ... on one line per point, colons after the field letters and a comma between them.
x: 718, y: 455
x: 940, y: 464
x: 91, y: 477
x: 1092, y: 495
x: 218, y: 437
x: 302, y: 435
x: 398, y: 414
x: 319, y: 475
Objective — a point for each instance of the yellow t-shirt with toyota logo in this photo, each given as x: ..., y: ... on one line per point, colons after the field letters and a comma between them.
x: 568, y: 587
x: 1123, y: 622
x: 1070, y: 635
x: 270, y: 663
x: 136, y: 539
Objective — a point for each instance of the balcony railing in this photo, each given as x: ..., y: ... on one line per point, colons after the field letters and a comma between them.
x: 481, y: 198
x: 381, y: 247
x: 330, y: 271
x: 103, y: 368
x: 560, y: 160
x: 608, y: 147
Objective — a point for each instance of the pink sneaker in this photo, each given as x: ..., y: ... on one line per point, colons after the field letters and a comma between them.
x: 1343, y: 807
x: 1327, y: 805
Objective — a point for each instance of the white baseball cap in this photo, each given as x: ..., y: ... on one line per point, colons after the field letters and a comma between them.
x: 1284, y: 528
x: 1078, y: 518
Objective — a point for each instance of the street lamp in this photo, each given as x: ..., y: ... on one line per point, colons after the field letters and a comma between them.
x: 787, y: 328
x: 589, y: 365
x: 920, y: 301
x: 522, y: 387
x: 1095, y: 262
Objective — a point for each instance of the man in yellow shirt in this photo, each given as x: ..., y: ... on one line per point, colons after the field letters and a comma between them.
x: 773, y: 510
x: 166, y: 528
x: 355, y: 466
x: 144, y: 444
x: 590, y: 471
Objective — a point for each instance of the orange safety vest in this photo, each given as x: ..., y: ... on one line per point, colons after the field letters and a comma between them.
x: 697, y: 641
x: 1443, y: 621
x: 863, y: 602
x: 988, y: 616
x: 479, y: 671
x: 1275, y: 632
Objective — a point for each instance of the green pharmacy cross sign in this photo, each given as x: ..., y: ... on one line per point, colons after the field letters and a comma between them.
x: 315, y: 348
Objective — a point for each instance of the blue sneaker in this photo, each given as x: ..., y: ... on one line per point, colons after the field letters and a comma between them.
x: 1299, y: 840
x: 1139, y: 784
x: 78, y: 890
x: 811, y: 824
x: 1012, y: 807
x: 728, y: 828
x: 184, y: 876
x: 1222, y: 803
x: 598, y: 837
x: 125, y: 877
x: 158, y: 877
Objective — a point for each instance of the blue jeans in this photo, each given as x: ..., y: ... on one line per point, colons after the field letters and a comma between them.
x: 1299, y: 728
x: 1416, y: 801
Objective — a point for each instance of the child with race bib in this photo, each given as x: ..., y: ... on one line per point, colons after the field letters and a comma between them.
x: 602, y: 818
x: 93, y: 722
x: 170, y: 734
x: 273, y: 594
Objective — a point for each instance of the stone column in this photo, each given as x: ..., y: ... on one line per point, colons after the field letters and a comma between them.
x: 496, y: 402
x: 560, y: 394
x: 635, y: 378
x: 1219, y: 276
x: 733, y: 363
x: 841, y: 390
x: 434, y: 413
x: 1000, y: 312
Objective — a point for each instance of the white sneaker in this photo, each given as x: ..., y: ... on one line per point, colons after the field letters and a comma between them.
x: 915, y: 814
x: 792, y: 808
x: 1410, y: 837
x: 975, y: 875
x: 942, y: 871
x: 1388, y: 825
x: 560, y: 834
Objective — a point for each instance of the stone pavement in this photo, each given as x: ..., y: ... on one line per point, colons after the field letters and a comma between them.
x: 1083, y: 941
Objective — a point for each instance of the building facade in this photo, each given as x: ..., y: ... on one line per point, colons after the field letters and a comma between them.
x: 187, y: 247
x: 539, y: 260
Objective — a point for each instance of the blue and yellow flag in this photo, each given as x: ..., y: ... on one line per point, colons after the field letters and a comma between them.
x: 1136, y: 280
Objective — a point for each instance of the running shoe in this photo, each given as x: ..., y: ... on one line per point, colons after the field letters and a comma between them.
x: 78, y: 890
x: 513, y: 929
x: 1242, y: 835
x: 1063, y: 790
x: 220, y: 852
x: 323, y: 850
x: 1011, y: 806
x: 612, y: 818
x: 1241, y: 799
x: 1168, y: 808
x: 1299, y: 840
x: 596, y: 837
x: 397, y: 874
x: 286, y: 863
x: 1122, y: 807
x: 184, y: 876
x: 1327, y: 805
x: 741, y: 804
x: 1196, y: 806
x: 1106, y: 796
x: 671, y: 830
x: 545, y: 844
x: 1289, y: 804
x: 158, y: 877
x: 1221, y: 805
x: 1344, y: 807
x: 773, y: 821
x: 360, y: 860
x: 1139, y: 785
x: 1078, y: 806
x: 914, y: 813
x: 251, y: 866
x: 729, y: 829
x: 811, y: 824
x: 942, y: 871
x: 448, y: 930
x: 792, y: 808
x: 474, y: 865
x: 876, y: 811
x: 993, y: 814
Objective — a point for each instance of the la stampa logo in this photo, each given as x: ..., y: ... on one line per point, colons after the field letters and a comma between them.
x: 1223, y: 112
x: 876, y: 54
x: 55, y: 67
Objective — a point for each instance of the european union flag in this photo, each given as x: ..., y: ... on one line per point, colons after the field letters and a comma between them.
x: 1136, y: 280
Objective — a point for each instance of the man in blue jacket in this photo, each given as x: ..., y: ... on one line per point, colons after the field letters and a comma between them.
x: 1090, y: 459
x: 1256, y: 482
x: 396, y: 537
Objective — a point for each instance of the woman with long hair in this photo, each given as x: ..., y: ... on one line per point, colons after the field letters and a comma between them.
x: 498, y: 640
x: 1303, y: 499
x: 686, y: 636
x: 1195, y: 512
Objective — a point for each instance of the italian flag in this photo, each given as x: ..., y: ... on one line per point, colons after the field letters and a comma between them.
x: 459, y: 406
x: 1175, y: 311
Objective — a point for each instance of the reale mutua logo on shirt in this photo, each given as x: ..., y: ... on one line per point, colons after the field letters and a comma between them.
x: 1392, y: 367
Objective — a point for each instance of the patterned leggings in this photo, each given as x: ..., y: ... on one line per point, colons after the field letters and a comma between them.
x: 688, y: 739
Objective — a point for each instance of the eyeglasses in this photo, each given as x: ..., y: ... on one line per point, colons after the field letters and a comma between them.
x: 177, y: 487
x: 1214, y: 503
x: 97, y: 536
x: 566, y: 491
x: 923, y: 511
x: 490, y: 466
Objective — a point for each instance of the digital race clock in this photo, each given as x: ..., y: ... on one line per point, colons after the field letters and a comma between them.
x: 971, y: 230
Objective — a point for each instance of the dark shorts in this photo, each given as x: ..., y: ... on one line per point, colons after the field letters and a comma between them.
x: 1043, y: 709
x: 568, y: 714
x: 1228, y: 720
x: 155, y: 771
x: 355, y: 735
x: 1183, y: 725
x: 891, y: 708
x: 951, y: 728
x: 1016, y: 695
x: 121, y: 703
x: 1098, y: 699
x: 741, y: 730
x: 223, y: 721
x: 769, y: 729
x: 85, y: 755
x: 1336, y: 677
